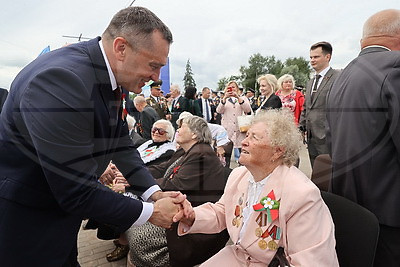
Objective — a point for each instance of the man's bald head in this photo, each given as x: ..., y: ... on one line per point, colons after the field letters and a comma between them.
x: 382, y: 28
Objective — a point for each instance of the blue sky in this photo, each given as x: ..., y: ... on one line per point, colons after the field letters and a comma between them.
x: 217, y: 36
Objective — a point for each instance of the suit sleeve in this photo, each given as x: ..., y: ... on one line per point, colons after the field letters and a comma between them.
x: 59, y: 119
x: 391, y: 95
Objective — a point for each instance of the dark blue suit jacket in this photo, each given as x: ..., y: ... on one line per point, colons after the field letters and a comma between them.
x: 59, y: 129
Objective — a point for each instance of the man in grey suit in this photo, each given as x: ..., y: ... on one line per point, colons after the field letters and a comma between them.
x: 313, y: 120
x: 363, y: 133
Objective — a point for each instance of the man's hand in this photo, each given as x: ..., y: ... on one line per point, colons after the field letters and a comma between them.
x: 220, y: 151
x: 160, y: 194
x: 164, y: 211
x: 108, y: 176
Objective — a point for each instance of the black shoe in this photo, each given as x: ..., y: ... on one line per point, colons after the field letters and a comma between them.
x: 119, y: 252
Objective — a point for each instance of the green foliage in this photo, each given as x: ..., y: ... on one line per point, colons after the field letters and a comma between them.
x: 188, y: 79
x: 259, y: 65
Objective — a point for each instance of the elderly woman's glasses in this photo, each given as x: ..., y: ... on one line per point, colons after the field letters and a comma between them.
x: 159, y: 130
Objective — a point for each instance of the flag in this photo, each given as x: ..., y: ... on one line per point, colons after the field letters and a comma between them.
x: 45, y: 50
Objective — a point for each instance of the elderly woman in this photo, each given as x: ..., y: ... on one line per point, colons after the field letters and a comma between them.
x: 268, y: 99
x: 231, y: 106
x: 291, y: 98
x: 194, y: 169
x: 160, y: 148
x: 268, y: 205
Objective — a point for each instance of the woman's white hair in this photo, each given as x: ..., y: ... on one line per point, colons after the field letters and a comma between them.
x: 282, y: 132
x: 170, y: 129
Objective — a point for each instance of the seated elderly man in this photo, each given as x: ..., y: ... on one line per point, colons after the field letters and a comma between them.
x: 270, y: 208
x: 195, y: 170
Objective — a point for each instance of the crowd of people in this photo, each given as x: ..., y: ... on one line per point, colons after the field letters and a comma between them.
x: 153, y: 173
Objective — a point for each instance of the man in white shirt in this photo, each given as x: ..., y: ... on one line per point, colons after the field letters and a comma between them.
x: 207, y: 106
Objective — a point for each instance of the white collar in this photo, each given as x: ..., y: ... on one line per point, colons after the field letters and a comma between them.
x: 380, y: 46
x: 109, y: 70
x: 324, y: 71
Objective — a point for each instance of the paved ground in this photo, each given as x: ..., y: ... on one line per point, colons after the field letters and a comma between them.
x: 92, y: 251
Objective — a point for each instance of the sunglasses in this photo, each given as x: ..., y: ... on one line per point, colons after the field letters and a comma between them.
x: 159, y: 130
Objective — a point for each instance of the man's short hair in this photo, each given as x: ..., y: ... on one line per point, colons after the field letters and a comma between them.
x: 136, y: 24
x: 325, y: 46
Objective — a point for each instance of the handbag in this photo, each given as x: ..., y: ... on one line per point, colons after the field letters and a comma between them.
x: 244, y: 122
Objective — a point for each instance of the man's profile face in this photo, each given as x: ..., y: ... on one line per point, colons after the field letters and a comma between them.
x: 156, y: 92
x: 138, y: 66
x: 206, y: 94
x: 318, y: 60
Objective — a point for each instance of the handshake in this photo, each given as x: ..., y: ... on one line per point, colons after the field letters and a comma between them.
x: 170, y: 207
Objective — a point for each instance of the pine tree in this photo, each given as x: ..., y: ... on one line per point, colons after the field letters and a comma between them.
x: 188, y: 79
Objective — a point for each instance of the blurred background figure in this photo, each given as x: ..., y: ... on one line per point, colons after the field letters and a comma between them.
x: 157, y: 100
x: 178, y: 104
x: 207, y: 107
x: 291, y: 98
x: 231, y: 106
x: 191, y: 105
x: 250, y: 94
x: 148, y: 116
x: 267, y: 99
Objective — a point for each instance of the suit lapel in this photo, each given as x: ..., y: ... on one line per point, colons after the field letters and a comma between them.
x: 104, y: 84
x: 258, y: 219
x: 321, y: 87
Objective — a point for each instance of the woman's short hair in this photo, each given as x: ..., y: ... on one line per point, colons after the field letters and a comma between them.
x: 282, y: 131
x: 284, y: 78
x: 199, y: 127
x: 270, y: 79
x: 170, y: 129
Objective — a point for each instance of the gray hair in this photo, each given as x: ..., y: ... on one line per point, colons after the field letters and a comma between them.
x: 284, y: 78
x: 139, y: 100
x: 199, y: 127
x: 174, y: 87
x: 136, y: 25
x: 270, y: 79
x: 170, y: 129
x: 385, y: 22
x: 282, y: 131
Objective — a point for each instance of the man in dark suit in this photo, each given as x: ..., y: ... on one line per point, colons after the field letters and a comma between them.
x: 363, y: 114
x: 313, y: 117
x: 250, y: 92
x: 178, y: 104
x: 157, y: 101
x: 62, y: 120
x: 148, y: 116
x: 207, y: 107
x: 3, y: 96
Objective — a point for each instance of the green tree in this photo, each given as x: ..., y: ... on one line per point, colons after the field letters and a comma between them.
x: 259, y: 65
x: 299, y: 68
x: 224, y: 81
x: 188, y: 79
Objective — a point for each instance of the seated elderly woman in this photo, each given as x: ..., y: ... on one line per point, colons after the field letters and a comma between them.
x: 269, y: 207
x: 195, y: 170
x: 160, y: 148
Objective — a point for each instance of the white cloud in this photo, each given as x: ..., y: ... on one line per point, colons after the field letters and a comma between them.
x: 217, y: 36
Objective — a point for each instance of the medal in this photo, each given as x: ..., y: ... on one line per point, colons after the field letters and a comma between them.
x: 259, y: 232
x: 234, y: 222
x: 272, y: 245
x: 262, y: 244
